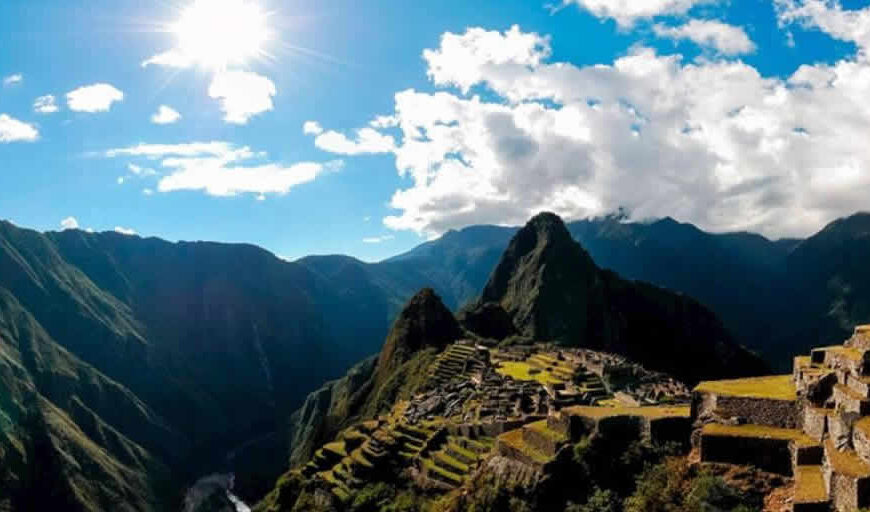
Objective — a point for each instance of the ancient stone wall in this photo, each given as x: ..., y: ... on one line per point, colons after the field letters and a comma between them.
x: 772, y: 455
x: 757, y: 411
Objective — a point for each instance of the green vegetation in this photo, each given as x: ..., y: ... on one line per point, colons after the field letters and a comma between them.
x: 674, y: 486
x: 652, y: 413
x: 759, y: 431
x: 779, y: 387
x: 524, y: 371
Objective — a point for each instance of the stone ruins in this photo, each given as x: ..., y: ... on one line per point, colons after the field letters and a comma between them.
x: 813, y: 425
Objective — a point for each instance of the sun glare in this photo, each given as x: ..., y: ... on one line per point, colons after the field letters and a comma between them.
x: 216, y: 33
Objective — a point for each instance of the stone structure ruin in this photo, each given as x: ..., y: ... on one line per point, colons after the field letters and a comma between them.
x: 813, y: 425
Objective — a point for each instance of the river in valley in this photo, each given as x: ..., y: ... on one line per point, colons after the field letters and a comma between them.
x: 213, y: 493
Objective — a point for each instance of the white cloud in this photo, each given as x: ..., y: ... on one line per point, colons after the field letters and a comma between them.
x: 242, y: 94
x: 93, y: 98
x: 13, y: 130
x: 312, y: 128
x: 121, y: 180
x: 463, y: 60
x: 829, y: 17
x: 712, y: 142
x: 147, y: 191
x: 140, y: 171
x: 165, y: 115
x: 124, y: 231
x: 45, y: 105
x: 69, y: 223
x: 378, y: 239
x: 170, y: 59
x: 222, y: 169
x: 192, y: 149
x: 382, y: 122
x: 368, y: 141
x: 627, y: 12
x: 724, y: 38
x: 15, y: 79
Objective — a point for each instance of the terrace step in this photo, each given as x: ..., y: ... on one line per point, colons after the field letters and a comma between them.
x: 442, y: 475
x: 451, y: 464
x: 810, y: 490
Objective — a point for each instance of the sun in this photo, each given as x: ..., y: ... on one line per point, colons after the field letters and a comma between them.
x: 217, y: 33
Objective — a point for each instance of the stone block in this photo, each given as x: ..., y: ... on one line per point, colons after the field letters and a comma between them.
x: 815, y: 423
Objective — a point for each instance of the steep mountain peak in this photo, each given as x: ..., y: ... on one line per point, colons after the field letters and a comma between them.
x: 425, y: 322
x: 542, y: 270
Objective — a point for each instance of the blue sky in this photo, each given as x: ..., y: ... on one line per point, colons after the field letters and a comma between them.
x: 423, y: 117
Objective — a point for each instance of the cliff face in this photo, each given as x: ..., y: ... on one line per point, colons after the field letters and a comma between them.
x: 553, y: 291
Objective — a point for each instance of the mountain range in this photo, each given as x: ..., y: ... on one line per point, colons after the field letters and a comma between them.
x: 132, y: 365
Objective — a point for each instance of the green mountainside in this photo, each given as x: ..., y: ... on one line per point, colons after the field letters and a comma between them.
x: 550, y: 289
x: 132, y: 366
x: 137, y: 364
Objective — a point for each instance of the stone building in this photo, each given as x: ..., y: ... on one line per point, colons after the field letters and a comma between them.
x: 813, y: 425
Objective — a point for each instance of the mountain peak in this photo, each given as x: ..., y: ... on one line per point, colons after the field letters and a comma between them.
x: 542, y: 263
x: 425, y: 322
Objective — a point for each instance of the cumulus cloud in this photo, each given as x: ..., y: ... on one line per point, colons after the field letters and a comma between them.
x: 627, y: 12
x: 464, y: 60
x: 223, y: 169
x: 711, y: 142
x: 69, y: 223
x: 367, y: 141
x: 165, y: 115
x: 725, y: 39
x: 378, y: 239
x: 45, y: 105
x: 124, y: 231
x: 242, y: 94
x: 15, y: 79
x: 13, y: 130
x: 93, y: 98
x: 312, y: 128
x: 829, y: 17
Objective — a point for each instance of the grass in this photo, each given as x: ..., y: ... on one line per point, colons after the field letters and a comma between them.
x: 458, y: 448
x: 847, y: 463
x: 514, y: 439
x: 810, y: 485
x: 457, y: 466
x: 338, y: 448
x: 543, y: 429
x: 847, y: 352
x: 759, y: 432
x: 652, y: 413
x: 523, y: 371
x: 779, y: 387
x: 452, y: 477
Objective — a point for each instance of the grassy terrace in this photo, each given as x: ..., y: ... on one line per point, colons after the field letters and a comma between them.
x: 759, y: 432
x: 849, y: 353
x: 523, y: 371
x: 514, y: 439
x: 810, y: 485
x: 779, y: 387
x: 846, y: 463
x: 541, y: 428
x: 652, y: 413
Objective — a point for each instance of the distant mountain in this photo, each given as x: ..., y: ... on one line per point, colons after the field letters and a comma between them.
x: 555, y: 292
